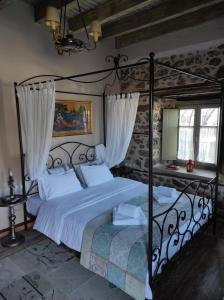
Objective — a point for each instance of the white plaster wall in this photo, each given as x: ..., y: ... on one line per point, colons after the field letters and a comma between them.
x: 26, y: 49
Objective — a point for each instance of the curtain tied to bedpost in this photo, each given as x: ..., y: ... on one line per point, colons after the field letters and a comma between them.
x: 121, y: 115
x: 37, y: 105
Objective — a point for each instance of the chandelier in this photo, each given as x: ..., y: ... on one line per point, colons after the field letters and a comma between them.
x: 64, y: 40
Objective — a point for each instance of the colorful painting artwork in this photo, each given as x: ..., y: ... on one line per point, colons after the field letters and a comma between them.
x: 72, y: 118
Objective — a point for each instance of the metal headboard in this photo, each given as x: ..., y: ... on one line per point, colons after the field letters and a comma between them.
x: 65, y: 153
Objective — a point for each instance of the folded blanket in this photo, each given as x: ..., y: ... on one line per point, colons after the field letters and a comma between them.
x: 119, y: 219
x: 129, y: 210
x: 166, y: 191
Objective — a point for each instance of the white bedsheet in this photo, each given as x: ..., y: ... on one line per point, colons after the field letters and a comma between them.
x: 63, y: 219
x: 33, y: 204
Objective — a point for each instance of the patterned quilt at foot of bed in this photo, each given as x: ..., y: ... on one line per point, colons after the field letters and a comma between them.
x: 119, y: 253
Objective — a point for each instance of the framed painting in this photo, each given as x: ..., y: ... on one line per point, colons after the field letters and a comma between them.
x: 72, y: 118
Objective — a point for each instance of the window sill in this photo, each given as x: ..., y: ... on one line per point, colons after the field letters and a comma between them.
x: 200, y: 174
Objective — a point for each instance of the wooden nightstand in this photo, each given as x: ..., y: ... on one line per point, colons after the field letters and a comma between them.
x: 13, y: 239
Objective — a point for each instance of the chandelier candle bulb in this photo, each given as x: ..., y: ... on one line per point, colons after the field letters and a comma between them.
x: 52, y: 18
x: 10, y: 173
x: 11, y: 184
x: 95, y: 30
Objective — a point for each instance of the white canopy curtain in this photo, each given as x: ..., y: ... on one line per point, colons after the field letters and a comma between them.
x: 37, y: 105
x: 121, y: 114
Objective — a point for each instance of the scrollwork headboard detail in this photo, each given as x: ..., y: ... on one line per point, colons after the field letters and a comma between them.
x: 65, y: 153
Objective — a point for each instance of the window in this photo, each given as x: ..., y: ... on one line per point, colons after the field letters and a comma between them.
x: 208, y: 135
x: 186, y: 134
x: 198, y: 134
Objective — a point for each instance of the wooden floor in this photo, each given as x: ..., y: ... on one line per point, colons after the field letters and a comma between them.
x: 198, y: 275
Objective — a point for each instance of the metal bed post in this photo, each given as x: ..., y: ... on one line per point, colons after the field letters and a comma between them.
x: 150, y: 195
x: 219, y: 157
x: 22, y: 155
x: 104, y: 118
x: 72, y: 77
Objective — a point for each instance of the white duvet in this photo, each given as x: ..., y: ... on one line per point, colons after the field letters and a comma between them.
x: 64, y: 219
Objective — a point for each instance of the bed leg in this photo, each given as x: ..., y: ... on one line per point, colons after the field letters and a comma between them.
x: 25, y: 216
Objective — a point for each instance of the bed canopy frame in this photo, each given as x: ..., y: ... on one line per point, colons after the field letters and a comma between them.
x: 119, y: 64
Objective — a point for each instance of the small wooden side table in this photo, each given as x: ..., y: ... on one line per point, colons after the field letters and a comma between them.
x: 13, y: 239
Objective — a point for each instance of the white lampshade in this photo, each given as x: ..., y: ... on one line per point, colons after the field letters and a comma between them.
x: 52, y: 18
x: 95, y: 30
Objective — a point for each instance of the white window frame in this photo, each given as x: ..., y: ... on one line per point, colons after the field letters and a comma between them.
x: 196, y: 134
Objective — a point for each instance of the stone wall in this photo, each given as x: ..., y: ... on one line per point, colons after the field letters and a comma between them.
x: 209, y: 63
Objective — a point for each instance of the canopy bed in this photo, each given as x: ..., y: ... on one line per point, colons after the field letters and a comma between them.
x: 86, y: 226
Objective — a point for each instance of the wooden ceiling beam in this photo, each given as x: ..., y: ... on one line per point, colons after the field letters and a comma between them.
x: 40, y: 8
x: 143, y: 18
x: 188, y: 20
x: 188, y: 90
x: 106, y: 12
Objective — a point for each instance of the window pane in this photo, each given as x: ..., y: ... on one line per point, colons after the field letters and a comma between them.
x: 186, y: 148
x: 209, y: 116
x: 186, y: 117
x: 208, y: 145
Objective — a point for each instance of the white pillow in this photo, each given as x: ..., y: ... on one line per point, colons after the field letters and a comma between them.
x: 53, y: 186
x: 79, y: 172
x: 96, y: 174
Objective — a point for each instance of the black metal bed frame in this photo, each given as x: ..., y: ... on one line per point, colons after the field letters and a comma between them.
x: 69, y: 153
x: 207, y: 191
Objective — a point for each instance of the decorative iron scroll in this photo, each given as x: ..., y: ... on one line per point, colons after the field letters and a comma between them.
x: 175, y: 226
x: 66, y: 153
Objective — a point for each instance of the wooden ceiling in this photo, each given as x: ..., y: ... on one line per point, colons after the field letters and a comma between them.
x: 132, y: 21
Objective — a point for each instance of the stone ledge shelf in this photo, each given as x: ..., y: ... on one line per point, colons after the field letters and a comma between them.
x: 201, y: 174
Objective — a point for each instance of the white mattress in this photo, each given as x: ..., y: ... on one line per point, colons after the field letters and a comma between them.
x: 64, y: 219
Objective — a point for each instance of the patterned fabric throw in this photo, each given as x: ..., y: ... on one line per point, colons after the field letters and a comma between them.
x: 119, y: 253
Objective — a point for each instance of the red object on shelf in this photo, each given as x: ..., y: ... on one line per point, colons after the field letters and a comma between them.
x: 190, y: 166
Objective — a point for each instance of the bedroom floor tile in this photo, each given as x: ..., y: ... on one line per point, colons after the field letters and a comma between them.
x: 96, y: 288
x: 9, y: 272
x: 57, y: 295
x: 119, y: 295
x: 70, y: 276
x: 44, y: 256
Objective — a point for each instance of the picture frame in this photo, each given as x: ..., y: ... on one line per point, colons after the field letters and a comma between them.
x: 72, y: 117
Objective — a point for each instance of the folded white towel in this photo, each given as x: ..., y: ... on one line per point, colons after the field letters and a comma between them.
x: 166, y: 191
x: 161, y: 199
x: 121, y: 220
x: 129, y: 210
